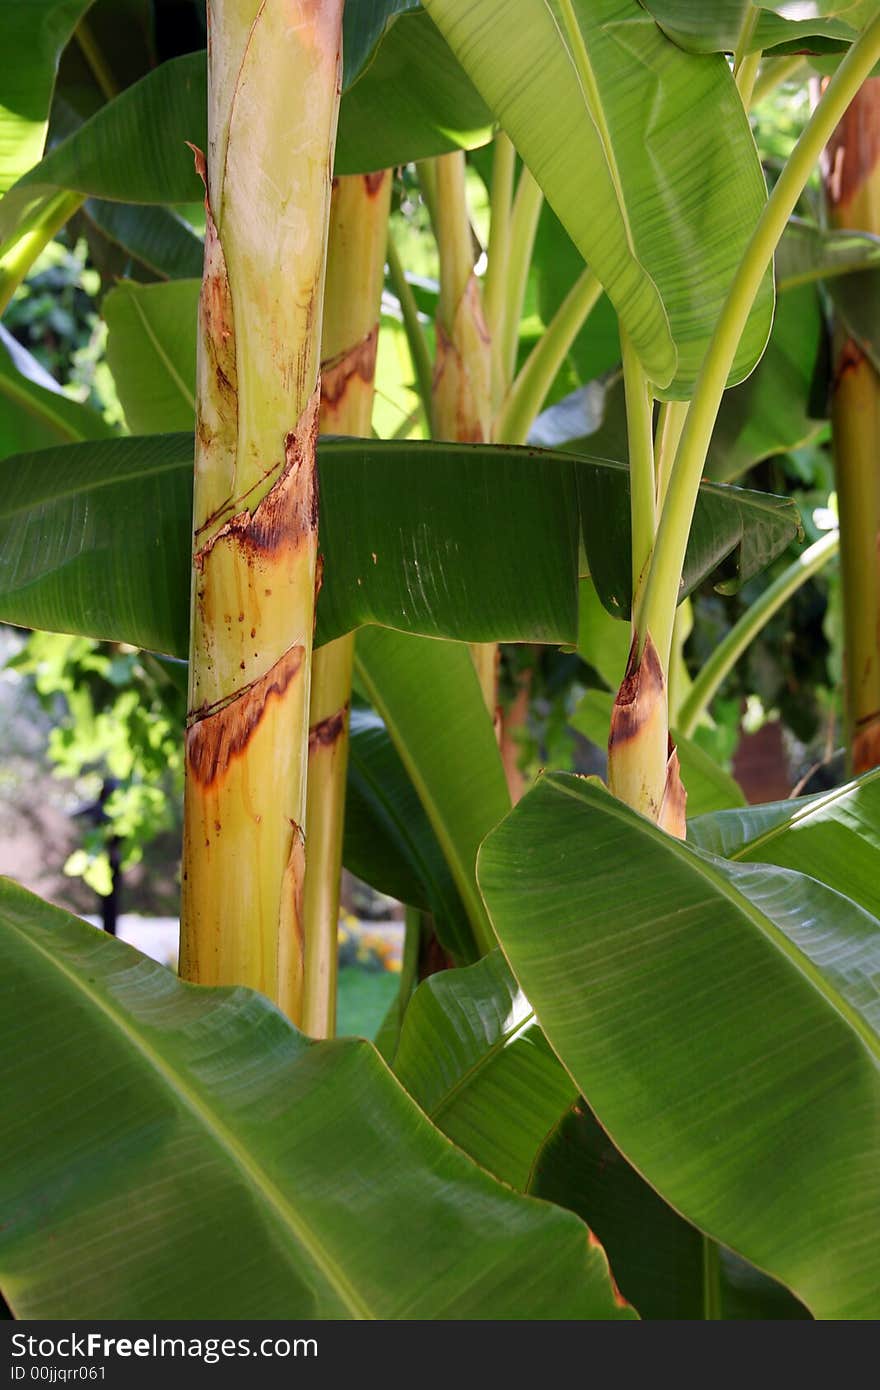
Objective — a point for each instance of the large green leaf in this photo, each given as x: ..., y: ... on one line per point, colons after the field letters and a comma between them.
x: 34, y: 411
x: 659, y: 1260
x: 628, y: 135
x: 412, y: 101
x: 428, y: 694
x: 720, y: 1020
x: 709, y: 788
x: 477, y: 543
x: 32, y: 34
x: 181, y: 1152
x: 363, y: 27
x: 835, y: 837
x: 151, y: 348
x: 817, y: 25
x: 389, y: 841
x: 473, y: 1057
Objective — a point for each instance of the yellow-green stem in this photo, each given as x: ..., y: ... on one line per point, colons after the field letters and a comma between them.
x: 415, y: 337
x: 529, y: 391
x: 670, y: 425
x: 357, y: 242
x: 32, y: 237
x: 852, y: 186
x: 642, y: 486
x: 527, y: 206
x: 775, y: 71
x: 267, y: 182
x: 664, y: 577
x: 97, y: 62
x: 498, y: 256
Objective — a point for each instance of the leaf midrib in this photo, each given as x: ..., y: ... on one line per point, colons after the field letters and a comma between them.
x: 162, y: 355
x: 692, y: 860
x: 804, y: 813
x: 266, y: 1190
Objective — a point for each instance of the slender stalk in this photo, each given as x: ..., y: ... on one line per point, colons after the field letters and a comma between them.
x: 746, y: 77
x: 462, y: 386
x: 357, y: 242
x: 642, y: 490
x: 267, y: 186
x: 670, y: 425
x: 529, y: 391
x: 498, y: 254
x: 712, y: 1308
x: 775, y: 71
x: 728, y: 652
x: 415, y: 337
x: 527, y: 206
x: 31, y: 238
x: 664, y: 578
x: 741, y: 54
x: 91, y: 51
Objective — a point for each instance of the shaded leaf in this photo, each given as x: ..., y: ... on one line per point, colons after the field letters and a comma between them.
x: 213, y: 1128
x: 720, y: 1020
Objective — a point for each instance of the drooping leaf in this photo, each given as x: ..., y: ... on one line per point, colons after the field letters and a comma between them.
x: 477, y: 543
x: 658, y: 132
x: 211, y: 1128
x: 34, y: 411
x: 657, y: 1258
x: 720, y: 1020
x: 151, y: 346
x: 473, y: 1057
x: 817, y: 26
x: 835, y: 837
x: 32, y: 35
x: 389, y: 842
x: 429, y: 697
x: 709, y: 788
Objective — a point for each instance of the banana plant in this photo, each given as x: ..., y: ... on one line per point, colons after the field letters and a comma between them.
x: 661, y: 1091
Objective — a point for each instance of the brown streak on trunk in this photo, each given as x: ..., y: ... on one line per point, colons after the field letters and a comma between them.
x: 288, y: 514
x: 329, y: 730
x: 215, y: 738
x: 641, y: 688
x: 673, y: 808
x: 373, y: 182
x: 866, y: 744
x: 359, y: 360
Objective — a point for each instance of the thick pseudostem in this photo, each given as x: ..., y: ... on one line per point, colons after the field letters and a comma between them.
x: 852, y: 186
x: 643, y: 768
x: 267, y: 194
x: 355, y: 266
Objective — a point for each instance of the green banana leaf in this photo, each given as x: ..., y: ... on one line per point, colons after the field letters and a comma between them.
x: 834, y: 837
x: 364, y: 26
x: 412, y: 101
x: 719, y: 1019
x: 429, y: 697
x: 185, y: 1153
x: 151, y: 351
x: 389, y: 842
x: 820, y: 26
x: 709, y: 788
x: 659, y: 1261
x: 473, y: 1057
x: 32, y: 35
x: 159, y: 238
x: 657, y: 133
x: 473, y: 542
x: 34, y: 411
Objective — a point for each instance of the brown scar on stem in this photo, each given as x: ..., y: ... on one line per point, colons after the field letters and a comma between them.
x: 866, y: 744
x: 373, y: 182
x: 336, y: 373
x: 849, y: 359
x: 218, y: 735
x: 288, y: 513
x: 641, y: 687
x: 673, y: 807
x: 328, y: 732
x: 291, y: 930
